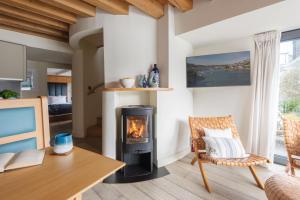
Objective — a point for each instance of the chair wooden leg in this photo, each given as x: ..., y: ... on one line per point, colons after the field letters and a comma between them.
x: 204, y: 176
x: 293, y: 170
x: 194, y: 160
x: 259, y: 183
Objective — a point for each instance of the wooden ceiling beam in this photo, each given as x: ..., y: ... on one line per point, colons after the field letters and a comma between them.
x: 74, y: 6
x: 163, y: 2
x: 12, y: 22
x: 151, y: 7
x: 183, y: 5
x: 32, y: 17
x: 20, y: 30
x: 117, y: 7
x: 42, y: 9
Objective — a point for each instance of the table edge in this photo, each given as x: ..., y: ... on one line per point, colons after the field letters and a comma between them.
x: 95, y: 183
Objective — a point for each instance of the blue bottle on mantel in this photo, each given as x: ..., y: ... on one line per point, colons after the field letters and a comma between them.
x: 154, y: 77
x: 144, y: 81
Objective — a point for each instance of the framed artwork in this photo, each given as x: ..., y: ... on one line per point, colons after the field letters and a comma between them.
x: 227, y: 69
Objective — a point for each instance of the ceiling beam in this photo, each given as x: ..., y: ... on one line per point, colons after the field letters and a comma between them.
x: 151, y: 7
x: 32, y: 17
x: 11, y: 28
x: 42, y: 9
x: 163, y: 2
x: 74, y: 6
x: 12, y: 22
x: 183, y: 5
x: 117, y: 7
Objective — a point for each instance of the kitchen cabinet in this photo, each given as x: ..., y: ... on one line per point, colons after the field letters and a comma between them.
x: 12, y: 61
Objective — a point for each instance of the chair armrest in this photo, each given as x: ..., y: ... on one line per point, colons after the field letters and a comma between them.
x: 295, y: 157
x: 202, y: 151
x: 195, y: 143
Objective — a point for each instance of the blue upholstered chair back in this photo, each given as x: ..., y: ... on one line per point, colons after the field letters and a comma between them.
x: 23, y: 124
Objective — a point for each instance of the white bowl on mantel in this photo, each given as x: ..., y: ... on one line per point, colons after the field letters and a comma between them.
x: 127, y: 82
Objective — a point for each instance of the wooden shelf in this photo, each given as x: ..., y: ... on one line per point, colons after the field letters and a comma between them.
x: 59, y: 79
x: 135, y: 89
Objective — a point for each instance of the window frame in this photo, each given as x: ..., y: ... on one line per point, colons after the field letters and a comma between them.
x: 286, y: 36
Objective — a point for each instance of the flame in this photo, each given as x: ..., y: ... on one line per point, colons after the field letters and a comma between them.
x: 136, y: 128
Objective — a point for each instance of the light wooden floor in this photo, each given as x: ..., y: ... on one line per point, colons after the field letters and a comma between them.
x: 185, y: 182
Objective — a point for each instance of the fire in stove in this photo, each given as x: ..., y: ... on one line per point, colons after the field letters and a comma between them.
x: 136, y: 127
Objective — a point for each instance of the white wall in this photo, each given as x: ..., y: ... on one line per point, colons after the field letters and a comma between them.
x: 130, y: 48
x: 130, y: 44
x: 219, y: 101
x: 173, y: 107
x: 78, y: 94
x: 40, y: 84
x: 207, y: 12
x: 247, y: 24
x: 34, y: 41
x: 88, y: 70
x: 93, y: 75
x: 46, y: 55
x: 163, y: 33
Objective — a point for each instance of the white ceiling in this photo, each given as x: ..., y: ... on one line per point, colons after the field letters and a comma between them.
x: 48, y: 56
x: 282, y: 16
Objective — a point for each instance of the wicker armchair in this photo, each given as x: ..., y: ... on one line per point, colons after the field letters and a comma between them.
x: 292, y: 142
x: 197, y: 124
x: 283, y: 187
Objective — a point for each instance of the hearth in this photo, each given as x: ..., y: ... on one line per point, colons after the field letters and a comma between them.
x: 136, y: 138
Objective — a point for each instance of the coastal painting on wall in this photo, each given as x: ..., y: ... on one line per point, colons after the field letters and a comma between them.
x: 228, y: 69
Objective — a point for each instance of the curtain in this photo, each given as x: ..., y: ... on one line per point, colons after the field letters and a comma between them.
x: 265, y: 88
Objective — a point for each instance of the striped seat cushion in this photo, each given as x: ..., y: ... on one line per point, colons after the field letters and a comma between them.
x: 219, y: 147
x: 226, y: 133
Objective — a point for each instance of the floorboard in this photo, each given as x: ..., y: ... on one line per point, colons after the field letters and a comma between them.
x: 153, y: 190
x: 131, y: 192
x: 185, y: 183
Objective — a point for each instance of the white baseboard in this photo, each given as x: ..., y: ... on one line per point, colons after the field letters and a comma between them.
x: 166, y: 161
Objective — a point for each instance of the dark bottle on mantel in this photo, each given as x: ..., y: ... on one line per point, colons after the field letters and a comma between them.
x: 154, y: 77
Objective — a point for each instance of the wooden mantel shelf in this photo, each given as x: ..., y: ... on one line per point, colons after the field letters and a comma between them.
x: 135, y: 89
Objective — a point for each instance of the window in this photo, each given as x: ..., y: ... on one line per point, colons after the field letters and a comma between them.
x: 289, y: 92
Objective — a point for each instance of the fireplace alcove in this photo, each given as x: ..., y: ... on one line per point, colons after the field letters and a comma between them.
x: 135, y: 145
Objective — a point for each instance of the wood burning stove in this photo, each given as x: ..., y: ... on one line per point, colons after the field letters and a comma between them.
x: 137, y: 140
x: 135, y: 146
